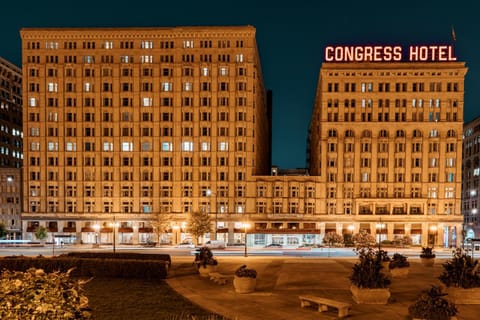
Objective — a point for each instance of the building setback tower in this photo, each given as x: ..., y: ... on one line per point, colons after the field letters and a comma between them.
x: 386, y: 142
x: 126, y: 124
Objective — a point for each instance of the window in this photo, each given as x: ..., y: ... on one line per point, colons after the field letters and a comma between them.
x: 187, y: 146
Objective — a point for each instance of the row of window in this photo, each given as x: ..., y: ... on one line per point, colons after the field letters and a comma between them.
x: 142, y: 59
x: 332, y: 133
x: 89, y: 72
x: 397, y: 177
x: 144, y: 132
x: 385, y: 103
x: 385, y: 117
x: 187, y: 116
x: 129, y: 146
x: 130, y: 44
x: 394, y: 87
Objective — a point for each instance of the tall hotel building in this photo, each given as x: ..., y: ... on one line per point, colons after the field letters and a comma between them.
x: 471, y: 177
x: 386, y: 141
x: 127, y: 123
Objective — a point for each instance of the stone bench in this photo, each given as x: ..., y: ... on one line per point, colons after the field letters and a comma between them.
x: 218, y: 278
x: 323, y: 304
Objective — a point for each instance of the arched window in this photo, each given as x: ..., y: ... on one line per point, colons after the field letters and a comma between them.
x: 400, y: 134
x: 366, y: 134
x: 349, y: 133
x: 417, y: 133
x: 383, y: 134
x: 332, y: 133
x: 451, y: 133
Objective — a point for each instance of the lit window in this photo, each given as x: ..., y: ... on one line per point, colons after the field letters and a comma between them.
x: 205, y: 72
x: 147, y: 102
x: 205, y: 146
x: 167, y: 86
x: 32, y: 102
x: 239, y: 58
x: 88, y: 87
x: 147, y: 44
x: 71, y: 146
x: 223, y: 146
x: 187, y: 86
x: 167, y: 146
x: 52, y: 87
x: 146, y: 59
x: 107, y: 146
x: 188, y: 43
x: 223, y: 71
x: 187, y: 146
x: 127, y: 146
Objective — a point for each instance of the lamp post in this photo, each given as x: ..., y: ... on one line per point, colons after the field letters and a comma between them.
x: 433, y: 230
x: 246, y: 226
x: 96, y: 227
x: 380, y: 226
x: 351, y: 228
x: 114, y: 226
x: 176, y: 228
x: 209, y: 194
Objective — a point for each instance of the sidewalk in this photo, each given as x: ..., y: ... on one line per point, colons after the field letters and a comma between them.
x: 281, y: 280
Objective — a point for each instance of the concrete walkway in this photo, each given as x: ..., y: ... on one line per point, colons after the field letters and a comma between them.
x: 282, y: 279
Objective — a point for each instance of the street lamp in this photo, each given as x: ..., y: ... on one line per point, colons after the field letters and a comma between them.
x: 96, y: 227
x: 114, y: 225
x: 351, y: 228
x: 209, y: 194
x: 433, y: 230
x: 246, y: 226
x: 380, y: 226
x: 175, y: 229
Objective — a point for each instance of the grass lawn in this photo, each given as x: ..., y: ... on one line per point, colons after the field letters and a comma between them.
x: 136, y: 299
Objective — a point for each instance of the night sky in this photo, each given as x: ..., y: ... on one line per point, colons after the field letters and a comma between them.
x: 291, y: 36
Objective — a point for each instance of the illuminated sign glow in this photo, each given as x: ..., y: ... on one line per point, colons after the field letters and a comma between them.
x: 427, y: 53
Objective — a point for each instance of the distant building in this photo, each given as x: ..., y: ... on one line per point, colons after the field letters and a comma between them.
x: 471, y: 177
x: 11, y: 147
x: 386, y: 144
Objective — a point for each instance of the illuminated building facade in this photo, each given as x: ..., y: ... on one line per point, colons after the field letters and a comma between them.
x: 126, y: 124
x: 471, y: 176
x: 11, y: 145
x: 386, y: 144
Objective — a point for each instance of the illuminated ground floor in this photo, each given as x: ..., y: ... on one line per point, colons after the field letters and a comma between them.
x: 258, y: 233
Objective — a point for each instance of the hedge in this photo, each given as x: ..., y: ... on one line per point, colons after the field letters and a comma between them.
x: 90, y: 267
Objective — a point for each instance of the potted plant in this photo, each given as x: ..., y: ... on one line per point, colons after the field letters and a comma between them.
x: 41, y: 234
x: 461, y: 278
x: 382, y: 255
x: 399, y: 266
x: 205, y: 261
x: 427, y: 257
x: 431, y: 305
x: 369, y: 284
x: 245, y: 280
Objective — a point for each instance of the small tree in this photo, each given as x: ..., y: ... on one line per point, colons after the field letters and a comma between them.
x: 41, y: 233
x: 363, y: 239
x: 198, y: 224
x: 332, y: 238
x: 160, y: 224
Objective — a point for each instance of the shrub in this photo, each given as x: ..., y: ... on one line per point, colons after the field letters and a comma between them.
x: 432, y: 306
x: 243, y: 272
x: 35, y: 294
x: 399, y: 261
x: 366, y: 273
x: 363, y: 239
x: 332, y: 238
x: 460, y: 271
x: 427, y: 252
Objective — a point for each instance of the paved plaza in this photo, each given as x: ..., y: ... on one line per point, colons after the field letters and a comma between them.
x: 282, y: 279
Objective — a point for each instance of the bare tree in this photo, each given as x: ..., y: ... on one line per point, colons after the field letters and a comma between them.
x: 198, y: 224
x: 160, y: 223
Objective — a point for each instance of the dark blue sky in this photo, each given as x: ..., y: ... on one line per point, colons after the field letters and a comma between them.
x: 291, y: 36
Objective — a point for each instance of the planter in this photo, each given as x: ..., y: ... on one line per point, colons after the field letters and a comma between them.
x: 428, y: 262
x: 463, y: 296
x: 370, y: 296
x: 451, y: 318
x: 399, y: 272
x: 244, y: 284
x: 205, y: 271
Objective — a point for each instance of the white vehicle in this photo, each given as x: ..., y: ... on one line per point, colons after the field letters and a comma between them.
x: 185, y: 244
x: 215, y: 244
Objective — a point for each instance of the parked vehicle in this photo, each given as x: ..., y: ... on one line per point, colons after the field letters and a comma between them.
x: 215, y: 244
x: 273, y: 245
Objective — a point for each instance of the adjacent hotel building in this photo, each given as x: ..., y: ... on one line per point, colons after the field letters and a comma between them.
x: 386, y: 141
x: 126, y: 124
